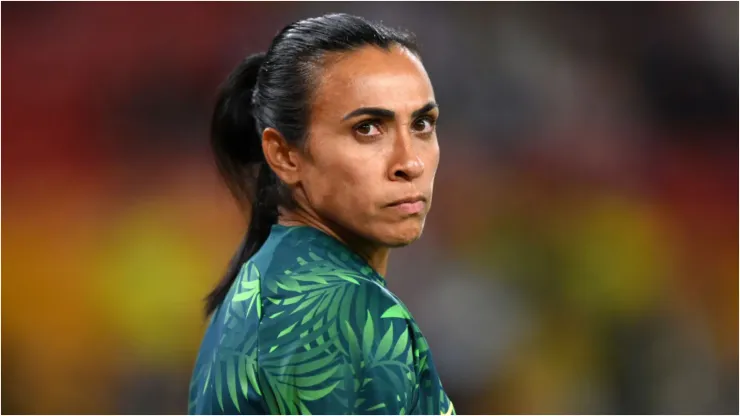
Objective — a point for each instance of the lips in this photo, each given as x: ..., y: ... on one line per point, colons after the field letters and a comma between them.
x: 409, y: 200
x: 409, y: 205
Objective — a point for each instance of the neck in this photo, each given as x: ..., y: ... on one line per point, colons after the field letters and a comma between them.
x: 374, y: 254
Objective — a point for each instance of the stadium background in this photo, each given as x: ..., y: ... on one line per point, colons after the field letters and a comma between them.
x: 581, y: 256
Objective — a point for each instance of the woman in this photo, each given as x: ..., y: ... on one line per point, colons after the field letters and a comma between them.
x: 329, y: 140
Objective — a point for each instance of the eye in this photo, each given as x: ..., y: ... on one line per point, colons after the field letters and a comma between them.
x: 424, y: 125
x: 368, y: 128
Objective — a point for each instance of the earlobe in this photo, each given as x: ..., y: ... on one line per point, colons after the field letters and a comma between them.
x: 279, y: 156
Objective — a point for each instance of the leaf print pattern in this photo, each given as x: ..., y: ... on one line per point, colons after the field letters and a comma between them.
x: 309, y: 328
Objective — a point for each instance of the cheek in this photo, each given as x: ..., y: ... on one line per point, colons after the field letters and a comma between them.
x: 339, y: 186
x: 431, y: 159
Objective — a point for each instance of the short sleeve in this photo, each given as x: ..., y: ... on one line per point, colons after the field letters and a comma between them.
x: 336, y: 347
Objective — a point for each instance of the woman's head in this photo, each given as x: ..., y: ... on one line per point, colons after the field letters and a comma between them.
x: 337, y: 121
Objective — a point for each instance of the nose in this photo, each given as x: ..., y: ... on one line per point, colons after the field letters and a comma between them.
x: 407, y: 164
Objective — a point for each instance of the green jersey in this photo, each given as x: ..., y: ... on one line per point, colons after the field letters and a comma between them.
x: 308, y: 327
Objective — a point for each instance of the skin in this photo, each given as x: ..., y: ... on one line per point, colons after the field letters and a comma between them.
x: 355, y: 165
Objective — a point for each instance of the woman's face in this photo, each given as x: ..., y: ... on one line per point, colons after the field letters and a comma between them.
x: 372, y: 149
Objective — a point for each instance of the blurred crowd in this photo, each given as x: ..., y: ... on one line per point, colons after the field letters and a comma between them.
x: 581, y: 255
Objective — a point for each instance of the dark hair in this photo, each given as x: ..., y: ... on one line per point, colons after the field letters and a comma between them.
x: 274, y: 89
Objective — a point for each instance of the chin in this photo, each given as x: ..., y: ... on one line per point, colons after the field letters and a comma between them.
x: 404, y: 233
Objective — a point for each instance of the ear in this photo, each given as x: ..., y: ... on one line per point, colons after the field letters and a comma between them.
x: 281, y: 156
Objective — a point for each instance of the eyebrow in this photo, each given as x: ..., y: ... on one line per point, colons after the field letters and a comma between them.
x: 388, y: 114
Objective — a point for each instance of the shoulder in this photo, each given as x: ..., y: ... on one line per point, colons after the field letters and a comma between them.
x: 320, y: 285
x: 308, y: 272
x: 320, y: 297
x: 331, y: 334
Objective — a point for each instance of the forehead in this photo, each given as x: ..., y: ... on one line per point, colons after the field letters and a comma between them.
x: 372, y: 77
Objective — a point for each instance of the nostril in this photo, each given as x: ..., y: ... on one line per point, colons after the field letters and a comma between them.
x: 401, y: 174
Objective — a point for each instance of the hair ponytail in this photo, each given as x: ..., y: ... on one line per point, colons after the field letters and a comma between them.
x: 237, y: 146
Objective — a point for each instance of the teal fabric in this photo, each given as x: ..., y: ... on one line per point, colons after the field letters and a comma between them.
x: 309, y: 328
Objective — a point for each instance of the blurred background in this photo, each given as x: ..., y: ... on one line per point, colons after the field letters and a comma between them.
x: 581, y: 256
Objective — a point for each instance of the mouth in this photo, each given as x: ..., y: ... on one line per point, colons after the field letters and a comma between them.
x: 409, y: 205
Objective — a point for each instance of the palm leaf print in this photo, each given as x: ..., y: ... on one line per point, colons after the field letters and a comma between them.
x: 329, y: 322
x: 385, y: 343
x: 231, y: 380
x: 218, y: 386
x: 231, y: 371
x: 332, y: 339
x: 368, y: 335
x: 395, y: 311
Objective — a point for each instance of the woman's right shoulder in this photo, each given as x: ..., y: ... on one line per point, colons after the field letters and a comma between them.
x: 305, y: 309
x: 309, y: 282
x: 319, y: 283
